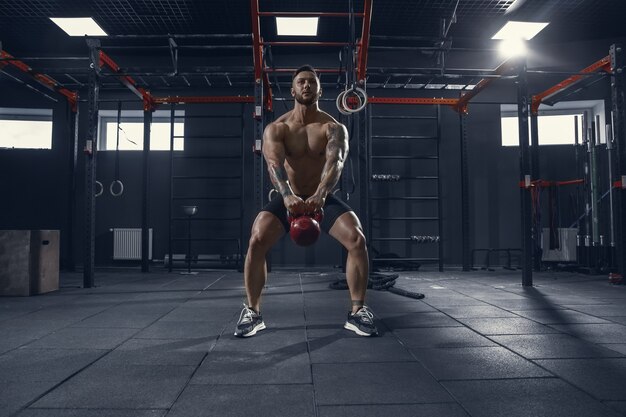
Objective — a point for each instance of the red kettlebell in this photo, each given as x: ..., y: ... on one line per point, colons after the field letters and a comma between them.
x: 305, y: 228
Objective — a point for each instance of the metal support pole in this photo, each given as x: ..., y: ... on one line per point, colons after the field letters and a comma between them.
x: 258, y: 145
x: 71, y: 198
x: 594, y: 140
x: 365, y: 173
x: 525, y: 175
x: 465, y: 238
x: 616, y: 53
x: 439, y: 193
x: 145, y: 203
x: 170, y: 250
x: 91, y: 151
x: 535, y: 172
x: 610, y: 145
x: 586, y: 258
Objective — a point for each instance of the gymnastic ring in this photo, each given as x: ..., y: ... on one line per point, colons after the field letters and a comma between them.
x: 362, y: 103
x: 99, y: 192
x: 340, y: 105
x: 121, y: 191
x: 269, y: 195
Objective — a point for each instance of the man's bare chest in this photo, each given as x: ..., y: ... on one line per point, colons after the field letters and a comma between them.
x: 307, y: 141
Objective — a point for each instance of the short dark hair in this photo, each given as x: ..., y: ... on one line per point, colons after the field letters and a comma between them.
x: 304, y: 68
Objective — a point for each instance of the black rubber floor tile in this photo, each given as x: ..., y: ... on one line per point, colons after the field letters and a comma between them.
x: 392, y: 303
x: 617, y: 319
x: 553, y: 346
x: 558, y: 316
x: 26, y: 374
x: 602, y: 378
x: 48, y: 412
x: 48, y: 365
x: 441, y: 301
x: 596, y: 333
x: 160, y: 352
x: 161, y: 294
x: 408, y: 410
x: 192, y: 282
x: 600, y: 310
x: 376, y: 383
x: 20, y: 331
x: 617, y: 347
x: 441, y: 337
x: 477, y: 363
x: 181, y: 330
x: 226, y: 401
x: 526, y: 397
x: 123, y: 386
x: 114, y: 318
x: 244, y: 368
x: 84, y: 338
x: 476, y: 312
x: 345, y: 348
x: 210, y: 313
x: 619, y: 406
x: 506, y: 325
x: 524, y: 304
x: 268, y: 340
x: 17, y: 395
x: 412, y: 320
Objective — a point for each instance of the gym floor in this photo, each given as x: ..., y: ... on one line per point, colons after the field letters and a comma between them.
x: 478, y: 344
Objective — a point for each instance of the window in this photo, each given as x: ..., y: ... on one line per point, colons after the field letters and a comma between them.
x: 553, y: 130
x: 26, y: 128
x: 131, y: 131
x: 556, y: 125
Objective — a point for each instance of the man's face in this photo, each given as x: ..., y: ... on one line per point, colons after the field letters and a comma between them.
x: 306, y: 88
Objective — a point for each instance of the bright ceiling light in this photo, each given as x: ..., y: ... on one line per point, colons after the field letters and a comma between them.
x: 520, y: 30
x: 510, y: 48
x: 297, y: 26
x: 79, y: 26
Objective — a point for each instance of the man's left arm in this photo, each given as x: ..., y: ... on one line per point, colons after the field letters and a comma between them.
x: 336, y: 154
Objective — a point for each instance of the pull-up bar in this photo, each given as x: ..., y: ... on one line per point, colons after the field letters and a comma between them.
x: 310, y: 14
x: 602, y: 65
x: 128, y: 81
x: 361, y: 45
x: 42, y: 79
x: 506, y: 66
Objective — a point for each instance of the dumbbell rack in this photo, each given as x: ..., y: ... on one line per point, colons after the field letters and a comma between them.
x: 404, y: 186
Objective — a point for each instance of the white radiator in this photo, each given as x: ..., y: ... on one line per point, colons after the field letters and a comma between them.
x: 127, y: 244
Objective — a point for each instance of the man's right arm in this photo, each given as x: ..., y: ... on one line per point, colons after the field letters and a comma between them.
x: 274, y: 153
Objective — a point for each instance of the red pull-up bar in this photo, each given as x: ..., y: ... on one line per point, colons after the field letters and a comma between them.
x: 603, y: 64
x: 42, y: 79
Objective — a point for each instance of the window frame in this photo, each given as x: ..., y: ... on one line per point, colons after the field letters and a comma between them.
x: 573, y: 108
x: 29, y: 115
x: 135, y: 116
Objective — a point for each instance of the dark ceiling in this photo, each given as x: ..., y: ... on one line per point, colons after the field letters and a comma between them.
x: 25, y: 28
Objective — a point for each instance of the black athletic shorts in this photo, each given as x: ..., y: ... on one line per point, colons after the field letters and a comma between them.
x: 333, y: 208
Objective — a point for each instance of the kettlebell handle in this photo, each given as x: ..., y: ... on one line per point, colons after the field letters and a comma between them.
x: 318, y: 215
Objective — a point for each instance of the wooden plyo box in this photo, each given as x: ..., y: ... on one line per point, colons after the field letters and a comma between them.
x: 29, y: 262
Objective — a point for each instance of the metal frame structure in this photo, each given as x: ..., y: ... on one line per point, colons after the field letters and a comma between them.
x: 263, y: 106
x: 397, y: 176
x: 175, y: 178
x: 576, y: 82
x: 9, y: 61
x: 99, y: 60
